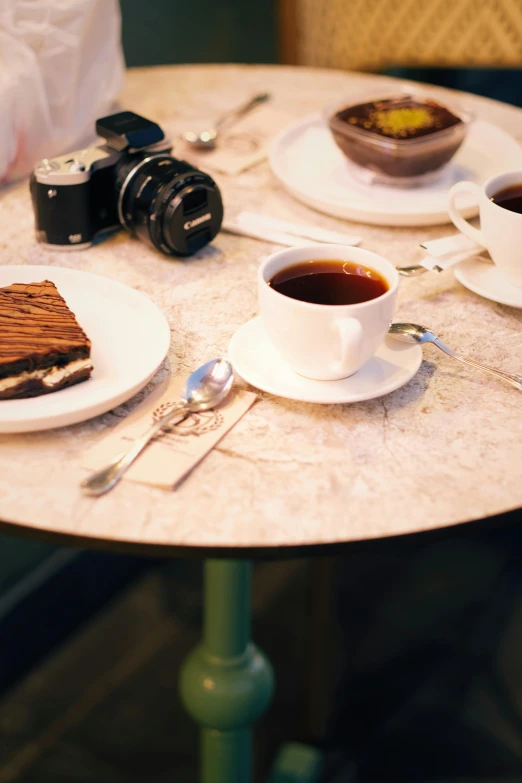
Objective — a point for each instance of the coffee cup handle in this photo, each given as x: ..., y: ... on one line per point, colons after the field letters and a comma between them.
x: 466, y: 228
x: 350, y: 332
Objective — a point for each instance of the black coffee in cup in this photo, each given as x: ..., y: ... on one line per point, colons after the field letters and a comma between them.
x: 329, y: 282
x: 510, y: 198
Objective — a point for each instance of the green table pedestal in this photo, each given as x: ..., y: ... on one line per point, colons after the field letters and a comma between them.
x: 226, y: 685
x: 226, y: 682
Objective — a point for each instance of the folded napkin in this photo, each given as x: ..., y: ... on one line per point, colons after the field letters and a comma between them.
x: 284, y: 232
x: 169, y: 458
x: 242, y: 145
x: 448, y: 251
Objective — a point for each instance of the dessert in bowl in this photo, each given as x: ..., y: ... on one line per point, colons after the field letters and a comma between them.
x: 404, y: 139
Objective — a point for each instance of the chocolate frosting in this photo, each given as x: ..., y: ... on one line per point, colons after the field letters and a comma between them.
x: 37, y: 329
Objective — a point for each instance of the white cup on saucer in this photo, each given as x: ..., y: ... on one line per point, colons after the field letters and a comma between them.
x: 326, y: 342
x: 500, y: 229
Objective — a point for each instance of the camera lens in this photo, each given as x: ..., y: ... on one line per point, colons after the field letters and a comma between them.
x: 168, y: 203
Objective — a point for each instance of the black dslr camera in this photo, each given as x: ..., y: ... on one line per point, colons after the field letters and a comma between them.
x: 132, y: 181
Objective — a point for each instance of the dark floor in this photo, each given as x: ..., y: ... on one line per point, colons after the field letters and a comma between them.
x: 431, y: 637
x: 105, y: 708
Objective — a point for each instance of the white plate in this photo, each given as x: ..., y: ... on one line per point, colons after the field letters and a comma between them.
x: 305, y: 158
x: 257, y: 361
x: 486, y: 280
x: 130, y: 338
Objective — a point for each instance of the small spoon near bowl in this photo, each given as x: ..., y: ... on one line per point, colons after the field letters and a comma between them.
x: 206, y: 139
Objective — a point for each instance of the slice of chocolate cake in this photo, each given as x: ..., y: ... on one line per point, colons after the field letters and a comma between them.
x: 42, y: 346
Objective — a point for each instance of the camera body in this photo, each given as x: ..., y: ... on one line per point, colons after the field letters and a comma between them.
x: 130, y: 181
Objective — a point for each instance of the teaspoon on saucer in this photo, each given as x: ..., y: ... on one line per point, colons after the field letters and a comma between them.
x: 419, y: 334
x: 416, y: 270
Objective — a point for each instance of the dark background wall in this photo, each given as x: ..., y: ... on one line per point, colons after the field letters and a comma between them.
x: 189, y: 31
x: 157, y: 32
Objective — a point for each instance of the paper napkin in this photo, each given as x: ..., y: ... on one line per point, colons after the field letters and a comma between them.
x: 448, y: 251
x: 284, y: 232
x: 169, y: 458
x: 242, y: 145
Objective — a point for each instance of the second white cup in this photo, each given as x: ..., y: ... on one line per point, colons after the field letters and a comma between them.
x: 326, y: 342
x: 500, y: 229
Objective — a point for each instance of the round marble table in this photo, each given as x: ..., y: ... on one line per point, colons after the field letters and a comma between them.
x: 443, y: 450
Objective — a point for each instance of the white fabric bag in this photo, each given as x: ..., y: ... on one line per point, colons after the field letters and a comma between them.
x: 61, y: 67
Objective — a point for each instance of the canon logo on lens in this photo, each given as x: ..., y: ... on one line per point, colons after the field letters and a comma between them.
x: 196, y: 222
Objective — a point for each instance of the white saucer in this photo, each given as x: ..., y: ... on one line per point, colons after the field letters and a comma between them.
x: 254, y: 358
x: 130, y: 338
x: 487, y: 280
x: 305, y: 158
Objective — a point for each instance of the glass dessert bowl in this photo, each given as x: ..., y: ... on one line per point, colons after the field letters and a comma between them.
x: 402, y: 139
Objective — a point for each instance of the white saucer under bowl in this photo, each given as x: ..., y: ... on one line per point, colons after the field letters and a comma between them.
x: 259, y: 363
x: 487, y: 280
x: 307, y: 161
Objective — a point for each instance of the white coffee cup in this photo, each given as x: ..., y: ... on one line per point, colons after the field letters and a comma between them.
x: 326, y: 342
x: 500, y: 229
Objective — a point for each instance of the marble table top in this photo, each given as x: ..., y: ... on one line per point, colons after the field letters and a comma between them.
x: 444, y: 449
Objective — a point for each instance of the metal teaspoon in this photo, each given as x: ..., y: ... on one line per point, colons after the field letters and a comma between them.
x: 414, y: 333
x: 205, y: 389
x: 416, y: 270
x: 206, y: 139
